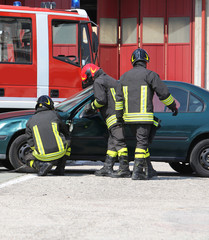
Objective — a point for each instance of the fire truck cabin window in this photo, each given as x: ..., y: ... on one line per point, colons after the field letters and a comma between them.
x: 65, y: 41
x: 15, y: 40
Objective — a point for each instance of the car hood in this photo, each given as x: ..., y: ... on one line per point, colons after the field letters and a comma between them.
x: 16, y: 114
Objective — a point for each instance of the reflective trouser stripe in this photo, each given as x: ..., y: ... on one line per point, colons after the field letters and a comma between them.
x: 141, y: 153
x: 31, y: 163
x: 112, y: 153
x: 123, y: 152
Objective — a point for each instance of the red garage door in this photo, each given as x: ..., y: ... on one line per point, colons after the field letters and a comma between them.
x: 166, y: 34
x: 108, y: 19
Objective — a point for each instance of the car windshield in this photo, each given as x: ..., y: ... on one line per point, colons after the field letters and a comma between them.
x: 74, y: 100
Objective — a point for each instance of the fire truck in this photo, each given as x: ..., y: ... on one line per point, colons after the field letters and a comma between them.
x: 42, y: 52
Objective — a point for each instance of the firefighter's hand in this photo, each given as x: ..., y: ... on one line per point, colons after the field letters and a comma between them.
x: 120, y: 121
x: 88, y: 110
x: 175, y: 111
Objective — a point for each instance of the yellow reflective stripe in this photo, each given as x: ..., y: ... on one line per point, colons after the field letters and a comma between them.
x: 38, y: 140
x: 143, y: 101
x: 31, y: 163
x: 112, y: 153
x: 57, y: 136
x: 156, y: 123
x: 119, y: 105
x: 32, y: 148
x: 147, y: 153
x: 125, y: 93
x: 140, y: 153
x: 168, y: 101
x: 68, y: 152
x: 97, y: 105
x: 143, y: 117
x: 123, y: 152
x: 113, y: 93
x: 49, y: 156
x: 111, y: 120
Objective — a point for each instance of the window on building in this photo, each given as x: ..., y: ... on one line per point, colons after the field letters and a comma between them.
x: 178, y: 30
x: 15, y: 40
x: 108, y: 30
x: 129, y: 30
x: 65, y: 41
x: 153, y: 30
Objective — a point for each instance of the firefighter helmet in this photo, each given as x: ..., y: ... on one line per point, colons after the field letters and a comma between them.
x: 87, y: 74
x: 46, y: 101
x: 139, y: 55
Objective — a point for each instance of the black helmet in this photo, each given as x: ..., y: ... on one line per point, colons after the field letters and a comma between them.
x: 46, y: 101
x: 139, y: 55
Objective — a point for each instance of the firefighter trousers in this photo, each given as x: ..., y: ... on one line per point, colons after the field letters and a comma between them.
x: 116, y: 142
x: 142, y: 133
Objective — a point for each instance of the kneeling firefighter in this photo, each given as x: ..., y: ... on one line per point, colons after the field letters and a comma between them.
x: 48, y: 138
x: 104, y: 92
x: 134, y: 105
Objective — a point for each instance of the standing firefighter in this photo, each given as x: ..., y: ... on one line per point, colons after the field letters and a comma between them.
x: 104, y: 93
x: 134, y: 105
x: 48, y: 138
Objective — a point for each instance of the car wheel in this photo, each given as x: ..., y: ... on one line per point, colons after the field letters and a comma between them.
x: 183, y: 168
x: 199, y: 158
x: 6, y: 163
x: 16, y: 154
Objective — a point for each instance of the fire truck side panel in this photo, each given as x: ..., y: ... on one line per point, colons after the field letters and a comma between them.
x: 18, y: 74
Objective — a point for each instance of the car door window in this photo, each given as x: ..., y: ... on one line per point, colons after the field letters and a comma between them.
x: 181, y: 97
x: 195, y: 105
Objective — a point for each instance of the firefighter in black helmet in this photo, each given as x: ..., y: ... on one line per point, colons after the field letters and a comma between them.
x: 104, y: 93
x: 48, y: 138
x: 134, y: 106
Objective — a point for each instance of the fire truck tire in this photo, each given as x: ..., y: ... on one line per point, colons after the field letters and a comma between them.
x: 16, y: 153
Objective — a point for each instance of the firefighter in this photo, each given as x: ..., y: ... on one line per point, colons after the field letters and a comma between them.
x: 134, y: 106
x: 104, y: 92
x: 48, y: 138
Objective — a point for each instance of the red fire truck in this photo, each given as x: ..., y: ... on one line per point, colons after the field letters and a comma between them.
x: 42, y: 51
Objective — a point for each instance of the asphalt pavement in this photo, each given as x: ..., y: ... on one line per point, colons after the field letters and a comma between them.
x: 80, y: 205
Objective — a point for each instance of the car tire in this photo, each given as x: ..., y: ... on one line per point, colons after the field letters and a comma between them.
x: 199, y: 158
x: 6, y: 163
x: 182, y: 168
x: 16, y: 154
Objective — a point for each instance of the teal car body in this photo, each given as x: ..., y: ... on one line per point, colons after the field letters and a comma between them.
x: 182, y: 140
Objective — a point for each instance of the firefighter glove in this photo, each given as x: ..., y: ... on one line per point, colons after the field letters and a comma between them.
x: 120, y: 121
x: 88, y: 110
x: 175, y: 111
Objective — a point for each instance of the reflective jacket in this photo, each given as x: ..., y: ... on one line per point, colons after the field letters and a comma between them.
x: 47, y: 135
x: 104, y: 93
x: 135, y: 93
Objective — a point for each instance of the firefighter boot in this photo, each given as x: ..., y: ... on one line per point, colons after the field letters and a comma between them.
x: 107, y: 169
x: 140, y: 171
x: 151, y: 171
x: 45, y: 167
x: 123, y: 171
x: 60, y: 169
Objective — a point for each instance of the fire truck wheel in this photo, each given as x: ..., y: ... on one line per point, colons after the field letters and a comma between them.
x: 16, y: 154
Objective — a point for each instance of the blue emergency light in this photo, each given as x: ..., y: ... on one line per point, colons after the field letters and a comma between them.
x: 17, y: 3
x: 75, y: 4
